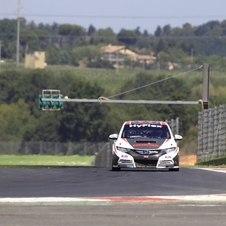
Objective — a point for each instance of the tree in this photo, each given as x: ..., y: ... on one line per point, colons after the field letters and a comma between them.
x: 187, y: 26
x: 145, y: 34
x: 8, y: 30
x: 201, y: 30
x: 43, y: 37
x: 166, y: 29
x: 90, y: 53
x: 8, y: 80
x: 158, y: 31
x: 137, y: 31
x: 84, y: 121
x: 104, y: 36
x: 15, y: 121
x: 172, y: 89
x: 31, y: 26
x: 8, y: 49
x: 127, y: 37
x: 223, y: 25
x: 45, y: 128
x: 70, y: 33
x: 69, y: 29
x: 100, y: 64
x: 161, y: 46
x: 29, y: 40
x: 188, y: 47
x: 53, y: 56
x: 91, y: 30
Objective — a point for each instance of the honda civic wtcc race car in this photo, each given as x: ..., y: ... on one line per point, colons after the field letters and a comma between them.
x: 145, y: 144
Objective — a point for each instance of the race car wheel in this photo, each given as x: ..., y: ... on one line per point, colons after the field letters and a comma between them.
x: 115, y: 162
x: 115, y: 169
x: 174, y: 169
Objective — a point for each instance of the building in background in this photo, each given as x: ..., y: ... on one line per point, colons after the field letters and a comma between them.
x: 35, y: 60
x: 118, y: 54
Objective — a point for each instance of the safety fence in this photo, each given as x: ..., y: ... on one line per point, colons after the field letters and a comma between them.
x: 212, y: 135
x: 174, y: 125
x: 51, y: 148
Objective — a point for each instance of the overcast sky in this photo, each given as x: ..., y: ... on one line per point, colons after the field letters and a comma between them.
x: 117, y: 14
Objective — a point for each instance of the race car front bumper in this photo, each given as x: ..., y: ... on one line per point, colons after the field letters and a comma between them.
x: 164, y: 161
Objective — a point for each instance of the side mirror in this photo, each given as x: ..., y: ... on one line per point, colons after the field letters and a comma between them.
x: 113, y: 136
x: 178, y: 137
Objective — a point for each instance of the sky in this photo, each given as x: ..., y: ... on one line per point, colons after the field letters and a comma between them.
x: 116, y: 14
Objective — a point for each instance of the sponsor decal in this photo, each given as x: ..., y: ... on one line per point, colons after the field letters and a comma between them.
x: 145, y: 145
x: 145, y: 125
x: 167, y: 157
x: 147, y: 152
x: 124, y: 156
x: 146, y: 122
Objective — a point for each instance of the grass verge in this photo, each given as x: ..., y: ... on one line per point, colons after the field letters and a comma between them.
x: 46, y: 160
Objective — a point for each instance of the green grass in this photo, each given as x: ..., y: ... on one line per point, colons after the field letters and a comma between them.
x: 46, y: 160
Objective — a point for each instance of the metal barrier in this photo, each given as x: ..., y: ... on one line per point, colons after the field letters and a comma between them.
x: 174, y: 125
x: 51, y: 148
x: 212, y: 134
x: 104, y: 157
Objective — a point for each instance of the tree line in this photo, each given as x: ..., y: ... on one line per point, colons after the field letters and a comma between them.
x: 71, y: 43
x: 22, y: 120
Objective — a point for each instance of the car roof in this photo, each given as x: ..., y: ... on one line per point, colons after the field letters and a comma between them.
x: 141, y: 122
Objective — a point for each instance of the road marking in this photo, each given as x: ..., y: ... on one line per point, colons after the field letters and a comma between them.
x: 107, y: 200
x: 220, y: 170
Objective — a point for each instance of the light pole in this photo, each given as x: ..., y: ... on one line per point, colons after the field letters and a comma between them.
x: 0, y: 54
x: 18, y: 36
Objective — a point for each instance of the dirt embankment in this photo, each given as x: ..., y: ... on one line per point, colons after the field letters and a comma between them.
x: 188, y: 160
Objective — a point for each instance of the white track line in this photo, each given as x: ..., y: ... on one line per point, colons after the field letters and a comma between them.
x: 207, y: 198
x: 219, y: 170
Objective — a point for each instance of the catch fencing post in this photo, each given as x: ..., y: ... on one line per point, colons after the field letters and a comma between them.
x: 205, y: 89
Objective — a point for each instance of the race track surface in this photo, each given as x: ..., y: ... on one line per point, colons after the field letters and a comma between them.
x: 101, y: 182
x: 99, y: 197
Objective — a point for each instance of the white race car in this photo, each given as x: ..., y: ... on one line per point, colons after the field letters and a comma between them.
x: 145, y: 144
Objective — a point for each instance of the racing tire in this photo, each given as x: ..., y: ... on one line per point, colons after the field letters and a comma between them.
x: 174, y: 169
x: 115, y: 169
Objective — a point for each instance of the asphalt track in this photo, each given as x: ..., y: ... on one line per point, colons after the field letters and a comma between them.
x: 101, y: 182
x: 97, y: 196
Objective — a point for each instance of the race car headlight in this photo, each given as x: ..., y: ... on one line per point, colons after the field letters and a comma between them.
x: 168, y: 150
x: 123, y: 149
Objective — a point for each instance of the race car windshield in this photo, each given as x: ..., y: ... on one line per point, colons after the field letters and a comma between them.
x: 149, y: 131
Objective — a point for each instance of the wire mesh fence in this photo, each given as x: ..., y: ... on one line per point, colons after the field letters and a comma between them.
x: 51, y: 148
x: 211, y: 134
x: 174, y: 125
